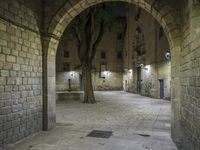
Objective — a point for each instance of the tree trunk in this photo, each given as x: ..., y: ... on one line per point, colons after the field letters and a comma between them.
x: 88, y: 87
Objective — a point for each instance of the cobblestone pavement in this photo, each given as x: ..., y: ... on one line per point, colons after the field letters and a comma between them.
x: 138, y: 123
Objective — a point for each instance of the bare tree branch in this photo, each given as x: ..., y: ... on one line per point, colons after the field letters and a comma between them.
x: 77, y: 34
x: 98, y: 40
x: 93, y: 33
x: 78, y: 42
x: 88, y: 34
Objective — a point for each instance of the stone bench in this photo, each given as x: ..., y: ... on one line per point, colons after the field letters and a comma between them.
x: 66, y: 95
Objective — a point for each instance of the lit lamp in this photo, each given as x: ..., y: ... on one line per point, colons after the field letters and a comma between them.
x: 130, y: 71
x: 168, y: 55
x: 103, y: 69
x: 72, y: 74
x: 141, y: 65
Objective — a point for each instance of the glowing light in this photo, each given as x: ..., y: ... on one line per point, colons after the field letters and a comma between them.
x: 106, y: 73
x: 168, y: 55
x: 148, y: 68
x: 72, y: 74
x: 130, y: 71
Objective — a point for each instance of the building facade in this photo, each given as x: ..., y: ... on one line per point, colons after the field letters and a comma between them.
x: 146, y: 64
x: 107, y: 73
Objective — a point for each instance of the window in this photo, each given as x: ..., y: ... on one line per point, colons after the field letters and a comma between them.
x: 103, y: 55
x: 119, y: 54
x: 66, y: 54
x: 66, y: 66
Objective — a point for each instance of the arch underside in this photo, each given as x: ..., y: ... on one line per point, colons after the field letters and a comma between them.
x: 164, y: 16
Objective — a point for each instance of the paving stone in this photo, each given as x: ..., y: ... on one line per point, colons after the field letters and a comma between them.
x: 122, y: 113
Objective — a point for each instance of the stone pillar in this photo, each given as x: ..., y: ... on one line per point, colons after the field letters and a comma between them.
x: 190, y: 77
x: 49, y: 93
x: 175, y: 95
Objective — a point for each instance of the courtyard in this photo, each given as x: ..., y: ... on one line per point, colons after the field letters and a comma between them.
x: 142, y: 47
x: 136, y: 123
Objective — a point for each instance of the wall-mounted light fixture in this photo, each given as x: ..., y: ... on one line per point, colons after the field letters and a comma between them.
x: 148, y: 68
x: 72, y: 74
x: 168, y: 56
x: 103, y: 70
x: 141, y: 65
x: 130, y: 71
x: 106, y: 73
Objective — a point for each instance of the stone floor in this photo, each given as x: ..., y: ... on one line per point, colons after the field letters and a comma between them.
x: 138, y: 123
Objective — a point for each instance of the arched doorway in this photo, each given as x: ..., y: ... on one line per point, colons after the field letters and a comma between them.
x: 65, y: 15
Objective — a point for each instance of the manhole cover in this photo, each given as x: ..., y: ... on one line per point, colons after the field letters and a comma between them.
x: 100, y: 134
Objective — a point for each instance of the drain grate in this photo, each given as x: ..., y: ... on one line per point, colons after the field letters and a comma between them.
x: 144, y: 135
x: 100, y: 134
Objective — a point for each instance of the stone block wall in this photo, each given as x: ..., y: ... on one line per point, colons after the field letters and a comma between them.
x: 62, y: 81
x: 190, y: 77
x: 112, y: 81
x: 151, y: 75
x: 20, y: 71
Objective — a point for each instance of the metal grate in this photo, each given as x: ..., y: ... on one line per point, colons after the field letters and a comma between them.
x: 100, y: 134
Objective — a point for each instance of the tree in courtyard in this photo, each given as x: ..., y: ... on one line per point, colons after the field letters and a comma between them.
x: 88, y: 29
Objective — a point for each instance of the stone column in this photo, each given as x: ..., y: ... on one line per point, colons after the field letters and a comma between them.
x: 175, y: 94
x: 49, y: 73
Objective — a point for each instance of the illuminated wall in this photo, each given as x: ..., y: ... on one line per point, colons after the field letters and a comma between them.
x: 146, y: 77
x: 112, y: 81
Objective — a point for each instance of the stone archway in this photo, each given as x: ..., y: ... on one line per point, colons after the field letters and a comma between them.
x: 165, y: 17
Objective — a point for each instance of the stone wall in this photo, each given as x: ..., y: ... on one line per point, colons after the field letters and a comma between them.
x: 190, y: 77
x: 155, y: 65
x: 20, y: 70
x: 112, y: 81
x: 151, y: 75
